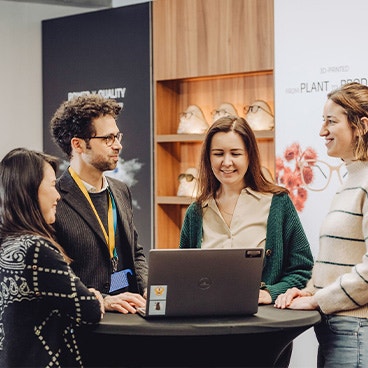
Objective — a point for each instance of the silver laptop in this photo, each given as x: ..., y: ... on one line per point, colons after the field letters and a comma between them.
x: 203, y: 282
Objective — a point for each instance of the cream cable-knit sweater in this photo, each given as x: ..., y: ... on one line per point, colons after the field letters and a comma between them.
x: 340, y: 275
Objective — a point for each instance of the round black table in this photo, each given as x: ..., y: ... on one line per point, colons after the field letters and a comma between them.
x: 240, y: 341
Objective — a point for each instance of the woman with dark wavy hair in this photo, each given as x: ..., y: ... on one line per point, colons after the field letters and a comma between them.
x: 42, y: 301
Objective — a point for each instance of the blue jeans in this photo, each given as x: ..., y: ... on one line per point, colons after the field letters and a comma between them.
x: 343, y: 342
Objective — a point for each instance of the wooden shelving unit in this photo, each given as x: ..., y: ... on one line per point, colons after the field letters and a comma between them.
x: 206, y: 52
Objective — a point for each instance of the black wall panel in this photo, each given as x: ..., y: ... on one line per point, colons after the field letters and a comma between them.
x: 108, y: 52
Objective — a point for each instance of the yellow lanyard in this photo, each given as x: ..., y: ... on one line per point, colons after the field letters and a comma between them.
x: 110, y: 237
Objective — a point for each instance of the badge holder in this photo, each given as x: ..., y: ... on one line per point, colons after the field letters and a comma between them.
x: 120, y: 280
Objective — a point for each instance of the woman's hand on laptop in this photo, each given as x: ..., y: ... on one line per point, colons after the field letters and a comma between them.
x: 124, y: 303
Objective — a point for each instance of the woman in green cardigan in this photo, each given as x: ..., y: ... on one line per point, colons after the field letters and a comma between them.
x: 238, y: 207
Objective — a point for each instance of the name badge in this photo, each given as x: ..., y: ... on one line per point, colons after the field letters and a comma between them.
x: 119, y: 280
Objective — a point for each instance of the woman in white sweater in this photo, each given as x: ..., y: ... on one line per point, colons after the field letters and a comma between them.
x: 339, y: 283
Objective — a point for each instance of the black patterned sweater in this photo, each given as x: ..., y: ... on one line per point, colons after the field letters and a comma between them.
x: 42, y: 302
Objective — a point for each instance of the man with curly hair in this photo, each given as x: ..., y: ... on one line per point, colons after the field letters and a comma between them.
x: 94, y: 219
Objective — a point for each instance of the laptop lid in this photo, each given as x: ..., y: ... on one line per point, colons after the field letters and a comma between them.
x: 203, y: 282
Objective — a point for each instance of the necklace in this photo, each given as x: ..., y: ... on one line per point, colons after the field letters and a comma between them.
x: 222, y: 210
x: 226, y: 213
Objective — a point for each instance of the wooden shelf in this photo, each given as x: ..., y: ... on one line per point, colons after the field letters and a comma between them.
x: 174, y: 200
x: 218, y: 76
x: 165, y: 138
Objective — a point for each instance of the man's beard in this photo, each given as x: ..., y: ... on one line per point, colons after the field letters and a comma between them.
x: 104, y: 165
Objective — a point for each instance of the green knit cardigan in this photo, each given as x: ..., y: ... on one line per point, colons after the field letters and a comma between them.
x: 288, y: 258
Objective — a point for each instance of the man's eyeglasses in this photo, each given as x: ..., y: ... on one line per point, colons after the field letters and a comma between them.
x: 110, y: 138
x: 254, y: 109
x: 316, y: 174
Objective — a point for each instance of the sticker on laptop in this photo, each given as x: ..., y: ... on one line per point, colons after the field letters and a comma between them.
x: 157, y: 307
x: 157, y: 303
x: 158, y: 292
